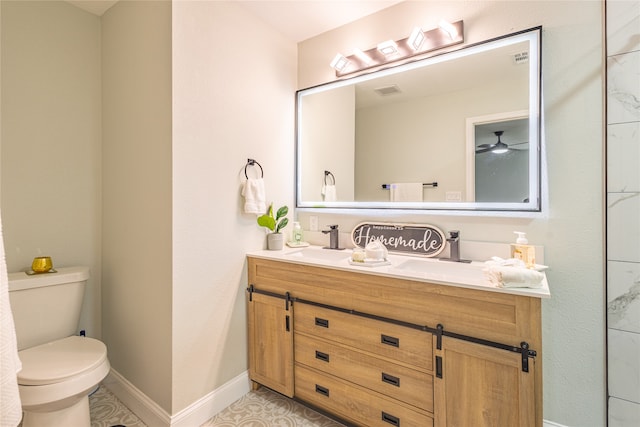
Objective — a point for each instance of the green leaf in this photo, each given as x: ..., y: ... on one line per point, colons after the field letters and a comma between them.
x: 267, y: 221
x: 283, y: 211
x: 282, y: 224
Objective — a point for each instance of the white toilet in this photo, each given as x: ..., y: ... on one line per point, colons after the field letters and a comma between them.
x: 59, y: 368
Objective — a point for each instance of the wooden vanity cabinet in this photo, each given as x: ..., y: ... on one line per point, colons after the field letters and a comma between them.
x: 380, y: 351
x: 477, y: 385
x: 270, y: 331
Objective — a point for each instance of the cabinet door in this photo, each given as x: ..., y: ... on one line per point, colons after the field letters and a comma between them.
x: 481, y: 386
x: 270, y: 326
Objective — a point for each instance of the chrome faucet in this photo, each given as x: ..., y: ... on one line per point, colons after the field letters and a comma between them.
x: 454, y: 247
x: 333, y: 237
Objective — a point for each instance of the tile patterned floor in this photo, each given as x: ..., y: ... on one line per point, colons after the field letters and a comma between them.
x: 107, y: 411
x: 265, y: 408
x: 260, y: 408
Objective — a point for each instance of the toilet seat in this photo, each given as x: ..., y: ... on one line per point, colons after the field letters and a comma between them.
x: 60, y: 360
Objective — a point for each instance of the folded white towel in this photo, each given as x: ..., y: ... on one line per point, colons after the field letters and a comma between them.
x: 329, y: 193
x: 254, y: 196
x: 406, y: 192
x: 10, y: 365
x: 513, y: 277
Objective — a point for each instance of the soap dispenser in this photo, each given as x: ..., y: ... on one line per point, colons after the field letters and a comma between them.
x: 296, y: 234
x: 523, y: 251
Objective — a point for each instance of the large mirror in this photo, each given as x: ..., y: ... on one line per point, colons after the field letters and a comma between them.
x: 456, y: 131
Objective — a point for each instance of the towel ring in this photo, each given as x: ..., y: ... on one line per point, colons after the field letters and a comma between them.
x: 251, y: 162
x: 326, y: 174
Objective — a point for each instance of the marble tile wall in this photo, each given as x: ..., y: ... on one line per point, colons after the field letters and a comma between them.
x: 623, y: 211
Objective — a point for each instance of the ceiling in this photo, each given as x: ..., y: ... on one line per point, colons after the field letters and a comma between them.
x: 296, y: 19
x: 97, y: 7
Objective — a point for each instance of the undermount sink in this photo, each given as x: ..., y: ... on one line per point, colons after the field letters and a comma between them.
x: 321, y: 254
x: 442, y: 269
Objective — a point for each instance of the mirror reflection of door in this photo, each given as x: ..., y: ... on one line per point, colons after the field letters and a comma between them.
x: 502, y: 161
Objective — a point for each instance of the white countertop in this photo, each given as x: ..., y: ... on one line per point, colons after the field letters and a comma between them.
x: 430, y: 270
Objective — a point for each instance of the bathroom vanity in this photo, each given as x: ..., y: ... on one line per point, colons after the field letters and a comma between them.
x: 416, y: 343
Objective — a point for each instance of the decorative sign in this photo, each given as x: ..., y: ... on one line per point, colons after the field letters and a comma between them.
x: 415, y: 239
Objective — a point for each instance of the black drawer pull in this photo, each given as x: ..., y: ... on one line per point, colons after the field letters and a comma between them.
x: 438, y: 367
x: 390, y: 419
x: 322, y: 322
x: 322, y: 356
x: 390, y: 379
x: 322, y: 390
x: 392, y: 341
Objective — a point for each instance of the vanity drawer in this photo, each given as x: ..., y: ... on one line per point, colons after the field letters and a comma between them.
x: 360, y: 406
x: 397, y: 342
x: 400, y: 382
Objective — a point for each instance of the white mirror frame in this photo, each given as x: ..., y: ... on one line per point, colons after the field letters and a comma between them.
x: 532, y: 35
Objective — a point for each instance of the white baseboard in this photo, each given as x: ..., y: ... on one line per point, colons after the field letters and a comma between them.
x: 193, y: 415
x: 208, y: 406
x: 140, y: 404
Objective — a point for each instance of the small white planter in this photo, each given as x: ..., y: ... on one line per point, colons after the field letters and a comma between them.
x: 275, y: 241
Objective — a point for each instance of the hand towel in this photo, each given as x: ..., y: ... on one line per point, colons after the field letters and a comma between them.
x: 10, y: 365
x: 254, y: 196
x: 329, y: 193
x: 513, y: 277
x: 406, y: 192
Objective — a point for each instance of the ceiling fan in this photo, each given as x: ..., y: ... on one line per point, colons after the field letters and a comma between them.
x: 497, y: 148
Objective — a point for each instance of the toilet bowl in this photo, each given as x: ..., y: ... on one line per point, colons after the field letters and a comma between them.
x: 56, y: 379
x: 59, y: 368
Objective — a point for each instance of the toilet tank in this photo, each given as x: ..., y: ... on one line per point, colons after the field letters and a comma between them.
x: 46, y: 307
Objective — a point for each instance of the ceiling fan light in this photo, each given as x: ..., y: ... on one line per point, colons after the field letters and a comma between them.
x: 500, y: 147
x: 500, y: 150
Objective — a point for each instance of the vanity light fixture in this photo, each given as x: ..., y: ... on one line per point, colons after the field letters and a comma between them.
x: 418, y: 43
x: 448, y: 28
x: 366, y: 59
x: 416, y: 39
x: 388, y: 48
x: 339, y: 63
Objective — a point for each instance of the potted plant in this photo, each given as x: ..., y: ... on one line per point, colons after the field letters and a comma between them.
x: 275, y: 239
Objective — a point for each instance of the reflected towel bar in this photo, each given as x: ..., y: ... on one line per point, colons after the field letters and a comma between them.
x: 424, y: 184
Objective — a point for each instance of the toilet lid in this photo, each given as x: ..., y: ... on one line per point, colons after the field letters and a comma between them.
x: 59, y: 360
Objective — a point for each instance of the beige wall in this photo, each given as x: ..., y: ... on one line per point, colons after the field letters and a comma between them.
x: 50, y: 141
x: 137, y: 195
x: 158, y: 137
x: 233, y: 99
x: 571, y: 226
